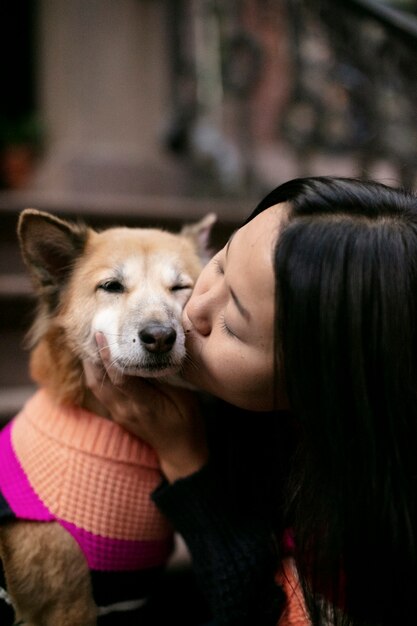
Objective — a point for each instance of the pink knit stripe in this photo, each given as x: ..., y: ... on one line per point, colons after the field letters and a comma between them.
x: 107, y: 554
x: 15, y: 486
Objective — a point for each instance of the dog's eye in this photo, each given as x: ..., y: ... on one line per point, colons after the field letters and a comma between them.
x: 112, y: 286
x: 180, y: 287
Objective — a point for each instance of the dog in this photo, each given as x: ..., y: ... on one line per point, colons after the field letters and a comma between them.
x: 104, y: 543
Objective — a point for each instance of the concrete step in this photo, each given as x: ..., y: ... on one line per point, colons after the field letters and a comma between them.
x: 12, y: 399
x: 15, y: 285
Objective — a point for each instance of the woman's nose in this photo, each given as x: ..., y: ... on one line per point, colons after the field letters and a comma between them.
x: 199, y: 310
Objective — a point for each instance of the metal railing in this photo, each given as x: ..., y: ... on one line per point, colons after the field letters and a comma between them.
x: 355, y: 85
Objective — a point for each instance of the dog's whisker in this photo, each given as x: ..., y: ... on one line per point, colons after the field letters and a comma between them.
x: 190, y: 361
x: 109, y: 345
x: 123, y: 342
x: 113, y: 362
x: 193, y: 363
x: 103, y: 379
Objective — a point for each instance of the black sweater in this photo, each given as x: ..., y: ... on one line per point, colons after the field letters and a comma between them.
x: 233, y: 554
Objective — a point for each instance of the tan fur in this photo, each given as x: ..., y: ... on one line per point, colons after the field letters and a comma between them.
x: 53, y: 364
x: 47, y: 576
x: 46, y: 572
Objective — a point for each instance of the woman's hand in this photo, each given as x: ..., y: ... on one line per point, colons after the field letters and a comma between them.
x: 165, y: 417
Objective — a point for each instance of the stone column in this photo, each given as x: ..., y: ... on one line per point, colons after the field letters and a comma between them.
x: 103, y: 95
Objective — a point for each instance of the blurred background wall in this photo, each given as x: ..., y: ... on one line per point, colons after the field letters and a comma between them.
x: 204, y: 98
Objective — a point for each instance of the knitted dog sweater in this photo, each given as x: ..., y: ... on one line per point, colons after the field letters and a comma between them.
x: 68, y: 465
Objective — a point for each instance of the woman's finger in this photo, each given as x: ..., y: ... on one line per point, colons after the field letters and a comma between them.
x: 93, y: 373
x: 114, y: 374
x: 103, y: 348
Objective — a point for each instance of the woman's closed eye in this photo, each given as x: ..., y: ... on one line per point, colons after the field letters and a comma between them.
x: 218, y: 267
x: 225, y: 328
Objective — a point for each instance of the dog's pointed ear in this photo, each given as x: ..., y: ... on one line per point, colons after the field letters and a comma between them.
x: 49, y: 245
x: 199, y: 233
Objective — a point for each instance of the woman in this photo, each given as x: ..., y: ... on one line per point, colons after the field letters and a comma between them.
x: 308, y: 318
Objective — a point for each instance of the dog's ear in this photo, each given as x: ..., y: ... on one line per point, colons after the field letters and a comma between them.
x: 49, y: 246
x: 199, y: 233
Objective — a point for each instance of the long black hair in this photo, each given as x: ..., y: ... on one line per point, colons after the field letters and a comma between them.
x: 345, y: 264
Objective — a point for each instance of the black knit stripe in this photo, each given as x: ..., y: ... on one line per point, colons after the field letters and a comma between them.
x: 6, y: 513
x: 111, y: 588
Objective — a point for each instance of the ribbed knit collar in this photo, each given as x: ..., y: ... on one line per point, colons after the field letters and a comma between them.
x: 82, y: 430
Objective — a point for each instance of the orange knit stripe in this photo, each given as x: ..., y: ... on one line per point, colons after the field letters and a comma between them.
x: 88, y: 470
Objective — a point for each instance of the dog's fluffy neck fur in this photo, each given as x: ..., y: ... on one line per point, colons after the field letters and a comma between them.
x: 53, y: 365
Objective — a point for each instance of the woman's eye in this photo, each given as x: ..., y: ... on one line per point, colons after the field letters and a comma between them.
x: 225, y: 328
x: 218, y: 268
x: 112, y: 286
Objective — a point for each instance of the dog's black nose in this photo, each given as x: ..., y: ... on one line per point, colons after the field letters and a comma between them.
x: 158, y: 338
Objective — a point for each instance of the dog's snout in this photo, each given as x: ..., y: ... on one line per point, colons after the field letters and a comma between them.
x: 158, y: 338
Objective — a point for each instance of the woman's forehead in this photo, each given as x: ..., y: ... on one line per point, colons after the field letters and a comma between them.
x: 263, y: 230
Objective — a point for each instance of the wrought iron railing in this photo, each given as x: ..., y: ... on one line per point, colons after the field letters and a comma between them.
x: 355, y: 83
